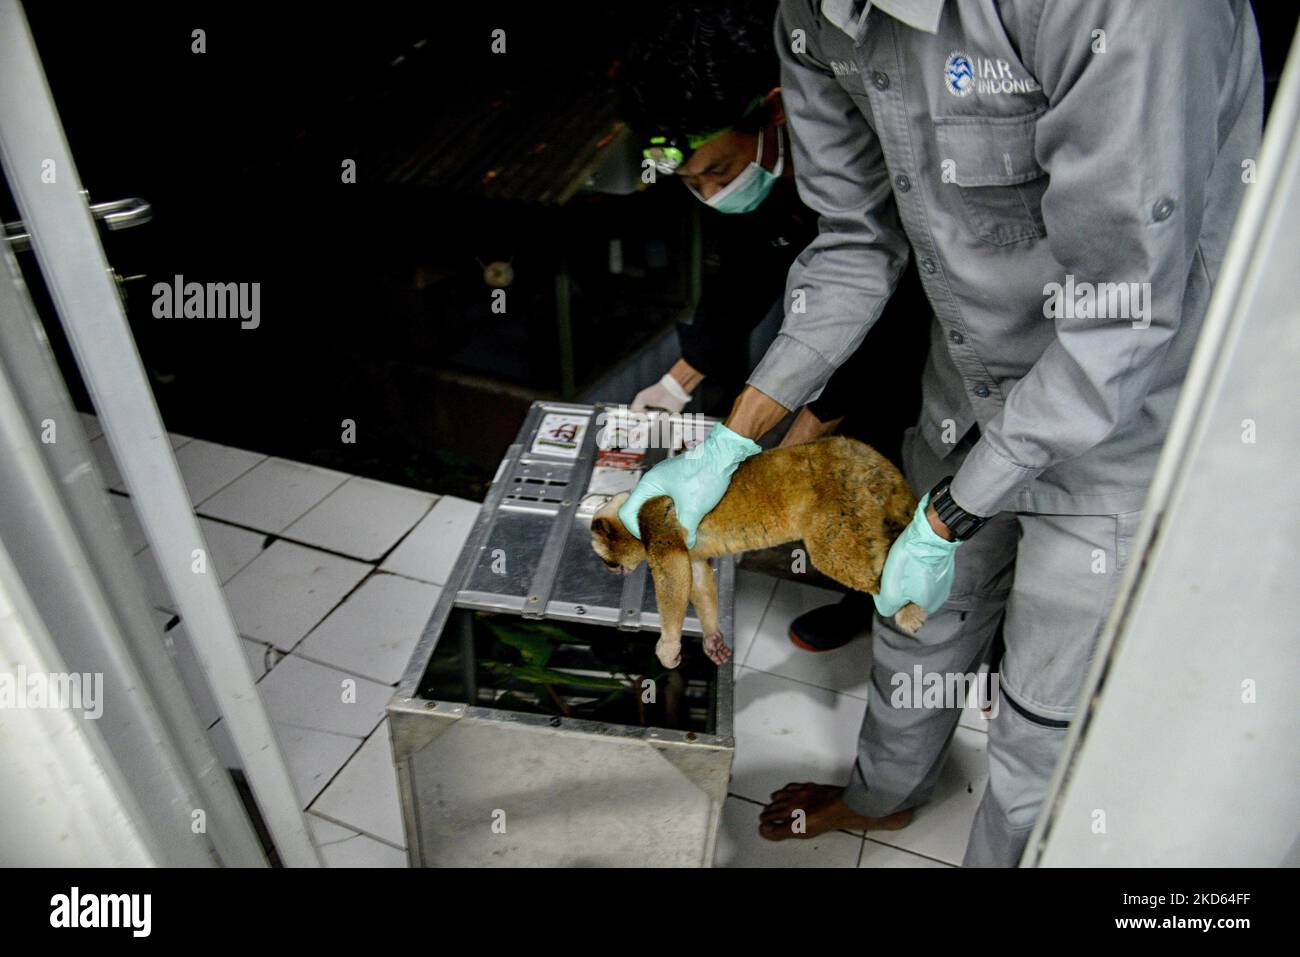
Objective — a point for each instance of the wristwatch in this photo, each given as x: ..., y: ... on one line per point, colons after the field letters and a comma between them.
x: 960, y: 522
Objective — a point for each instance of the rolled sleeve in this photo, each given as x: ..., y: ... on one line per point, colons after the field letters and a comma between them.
x: 837, y: 287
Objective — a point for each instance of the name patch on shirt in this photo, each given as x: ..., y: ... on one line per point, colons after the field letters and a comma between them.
x: 964, y: 74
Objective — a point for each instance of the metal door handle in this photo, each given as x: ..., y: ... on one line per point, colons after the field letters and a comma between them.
x: 115, y: 215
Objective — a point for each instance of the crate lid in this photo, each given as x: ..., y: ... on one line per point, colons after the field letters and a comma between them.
x: 530, y: 549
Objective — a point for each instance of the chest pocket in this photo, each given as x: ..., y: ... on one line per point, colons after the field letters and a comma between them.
x: 995, y: 174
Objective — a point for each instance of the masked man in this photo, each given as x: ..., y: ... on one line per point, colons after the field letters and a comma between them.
x: 701, y: 87
x: 1066, y: 174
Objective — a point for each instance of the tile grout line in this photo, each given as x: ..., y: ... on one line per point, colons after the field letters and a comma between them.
x: 357, y: 830
x: 334, y: 777
x: 847, y: 694
x: 905, y: 850
x: 268, y: 539
x: 281, y: 536
x: 800, y: 681
x: 400, y: 538
x: 317, y: 504
x: 391, y: 685
x: 333, y: 608
x: 759, y: 626
x: 407, y: 534
x: 205, y: 498
x: 293, y: 521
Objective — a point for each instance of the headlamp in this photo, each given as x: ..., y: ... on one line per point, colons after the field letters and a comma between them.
x: 668, y: 151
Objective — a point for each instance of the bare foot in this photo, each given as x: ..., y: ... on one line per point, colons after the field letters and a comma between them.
x: 715, y: 646
x: 823, y: 810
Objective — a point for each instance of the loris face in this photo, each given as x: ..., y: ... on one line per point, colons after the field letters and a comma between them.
x: 615, y: 545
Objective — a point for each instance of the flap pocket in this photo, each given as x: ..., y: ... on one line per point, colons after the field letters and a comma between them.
x: 989, y: 151
x: 1001, y: 185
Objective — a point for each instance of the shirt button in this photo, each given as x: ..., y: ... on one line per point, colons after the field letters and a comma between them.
x: 958, y: 338
x: 881, y: 79
x: 928, y: 265
x: 1162, y: 210
x: 982, y: 391
x: 903, y: 183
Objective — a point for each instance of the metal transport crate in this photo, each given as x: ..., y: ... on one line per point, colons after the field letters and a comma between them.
x: 533, y: 725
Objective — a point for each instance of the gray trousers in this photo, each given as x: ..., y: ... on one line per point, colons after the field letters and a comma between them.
x: 1049, y: 581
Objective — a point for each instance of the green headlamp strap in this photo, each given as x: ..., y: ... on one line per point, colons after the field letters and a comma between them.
x: 666, y: 152
x: 696, y: 140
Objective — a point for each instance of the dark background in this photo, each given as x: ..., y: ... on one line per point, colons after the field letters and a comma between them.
x: 373, y: 302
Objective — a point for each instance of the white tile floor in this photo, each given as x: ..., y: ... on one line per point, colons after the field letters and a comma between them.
x: 316, y: 580
x: 272, y: 495
x: 331, y: 577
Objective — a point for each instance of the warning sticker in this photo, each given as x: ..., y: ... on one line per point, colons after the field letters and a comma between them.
x: 619, y: 458
x: 616, y: 470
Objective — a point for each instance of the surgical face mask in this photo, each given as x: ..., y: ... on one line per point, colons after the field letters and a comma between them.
x: 744, y: 193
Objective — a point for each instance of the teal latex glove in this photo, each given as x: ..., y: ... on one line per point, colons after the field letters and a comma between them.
x: 919, y: 567
x: 696, y: 480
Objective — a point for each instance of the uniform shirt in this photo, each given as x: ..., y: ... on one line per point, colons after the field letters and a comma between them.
x: 1066, y: 174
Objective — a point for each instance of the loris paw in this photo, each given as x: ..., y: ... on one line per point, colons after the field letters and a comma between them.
x: 669, y: 653
x: 910, y: 618
x: 715, y: 647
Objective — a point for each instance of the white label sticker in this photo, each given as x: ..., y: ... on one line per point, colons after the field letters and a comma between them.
x: 607, y: 481
x: 560, y: 434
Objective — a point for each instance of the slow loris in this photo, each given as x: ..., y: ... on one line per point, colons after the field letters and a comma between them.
x: 843, y: 498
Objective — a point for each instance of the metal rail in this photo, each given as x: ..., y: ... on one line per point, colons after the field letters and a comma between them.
x: 81, y: 285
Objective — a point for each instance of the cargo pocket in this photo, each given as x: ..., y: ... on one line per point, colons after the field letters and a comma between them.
x: 999, y: 181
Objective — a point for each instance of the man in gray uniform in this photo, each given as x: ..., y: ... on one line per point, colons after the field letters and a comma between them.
x: 1066, y: 175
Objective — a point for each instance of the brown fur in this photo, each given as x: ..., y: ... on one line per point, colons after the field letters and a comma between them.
x: 842, y: 498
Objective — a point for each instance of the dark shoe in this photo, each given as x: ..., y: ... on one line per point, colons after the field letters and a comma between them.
x: 833, y: 626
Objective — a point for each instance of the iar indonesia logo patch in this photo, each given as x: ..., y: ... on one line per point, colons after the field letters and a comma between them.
x: 964, y: 74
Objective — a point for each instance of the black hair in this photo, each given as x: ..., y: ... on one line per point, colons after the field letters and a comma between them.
x: 698, y: 66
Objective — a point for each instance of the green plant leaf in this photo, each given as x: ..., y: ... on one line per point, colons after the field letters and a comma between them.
x: 551, y: 676
x: 535, y: 648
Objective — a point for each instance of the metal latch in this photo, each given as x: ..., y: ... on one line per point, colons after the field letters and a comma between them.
x: 115, y: 215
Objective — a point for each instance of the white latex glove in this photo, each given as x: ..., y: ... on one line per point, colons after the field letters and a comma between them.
x: 666, y: 394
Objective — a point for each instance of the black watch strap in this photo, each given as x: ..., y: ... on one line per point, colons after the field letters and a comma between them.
x: 960, y: 522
